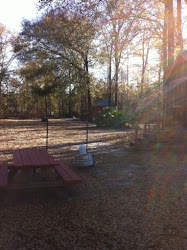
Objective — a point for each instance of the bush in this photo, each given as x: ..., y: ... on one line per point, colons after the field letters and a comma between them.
x: 111, y: 117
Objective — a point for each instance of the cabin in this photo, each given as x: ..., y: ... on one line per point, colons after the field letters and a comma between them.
x: 175, y: 92
x: 100, y: 105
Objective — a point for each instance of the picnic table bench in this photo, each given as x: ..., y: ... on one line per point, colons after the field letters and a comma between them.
x: 67, y: 175
x: 28, y: 161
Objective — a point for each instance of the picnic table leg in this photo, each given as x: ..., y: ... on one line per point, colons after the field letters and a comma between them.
x: 136, y: 135
x: 47, y: 173
x: 27, y: 175
x: 12, y: 172
x: 34, y: 171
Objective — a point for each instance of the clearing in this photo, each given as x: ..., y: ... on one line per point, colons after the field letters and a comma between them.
x: 129, y: 200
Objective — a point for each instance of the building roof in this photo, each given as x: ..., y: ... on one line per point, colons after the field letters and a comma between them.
x: 182, y: 56
x: 183, y: 53
x: 103, y: 103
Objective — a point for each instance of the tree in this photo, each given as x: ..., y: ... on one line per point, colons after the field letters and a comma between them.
x: 171, y: 32
x: 179, y: 39
x: 61, y: 37
x: 165, y: 43
x: 121, y: 36
x: 41, y: 74
x: 6, y: 38
x: 6, y: 58
x: 120, y: 26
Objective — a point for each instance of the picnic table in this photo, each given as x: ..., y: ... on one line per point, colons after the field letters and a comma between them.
x: 31, y: 162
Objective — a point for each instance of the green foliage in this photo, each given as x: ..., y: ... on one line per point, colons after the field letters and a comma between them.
x: 111, y: 117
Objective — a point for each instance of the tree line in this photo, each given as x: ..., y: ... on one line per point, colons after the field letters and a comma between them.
x: 79, y: 52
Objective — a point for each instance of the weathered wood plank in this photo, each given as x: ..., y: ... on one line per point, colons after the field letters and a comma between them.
x: 17, y: 158
x: 28, y: 161
x: 41, y: 157
x: 31, y: 185
x: 68, y: 176
x: 32, y: 158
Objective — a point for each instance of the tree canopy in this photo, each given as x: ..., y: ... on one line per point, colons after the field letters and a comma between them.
x: 75, y: 47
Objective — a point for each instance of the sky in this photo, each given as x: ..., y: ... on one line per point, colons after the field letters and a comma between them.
x: 12, y: 12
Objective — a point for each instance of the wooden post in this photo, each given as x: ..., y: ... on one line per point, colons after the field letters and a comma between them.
x: 136, y: 135
x: 163, y: 125
x: 158, y: 126
x: 158, y: 131
x: 145, y: 127
x: 149, y: 127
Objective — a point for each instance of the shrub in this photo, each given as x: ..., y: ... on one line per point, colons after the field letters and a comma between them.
x: 111, y: 117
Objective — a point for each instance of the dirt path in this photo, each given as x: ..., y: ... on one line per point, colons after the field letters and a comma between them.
x: 129, y: 200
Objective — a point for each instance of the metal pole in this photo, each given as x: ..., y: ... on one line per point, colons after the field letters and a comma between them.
x: 46, y: 146
x: 47, y: 130
x: 87, y: 131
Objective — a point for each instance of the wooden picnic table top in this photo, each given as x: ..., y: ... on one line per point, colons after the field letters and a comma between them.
x: 24, y: 158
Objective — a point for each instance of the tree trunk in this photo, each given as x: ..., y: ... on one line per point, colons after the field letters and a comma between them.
x: 110, y: 82
x: 127, y: 85
x: 179, y: 27
x: 171, y: 29
x: 89, y: 105
x: 88, y: 89
x: 145, y: 55
x: 165, y: 42
x: 70, y: 103
x: 116, y: 79
x: 46, y: 108
x: 160, y: 69
x: 116, y: 56
x: 82, y: 108
x: 70, y: 96
x: 59, y: 110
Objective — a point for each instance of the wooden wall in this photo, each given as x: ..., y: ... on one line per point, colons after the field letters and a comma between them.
x: 175, y: 94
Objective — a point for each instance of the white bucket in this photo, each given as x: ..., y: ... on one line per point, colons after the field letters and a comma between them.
x: 82, y: 149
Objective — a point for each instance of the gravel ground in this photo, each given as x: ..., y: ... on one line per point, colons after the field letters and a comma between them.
x: 129, y: 200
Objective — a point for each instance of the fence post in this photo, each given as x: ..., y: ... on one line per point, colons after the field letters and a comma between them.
x: 145, y: 127
x: 149, y: 126
x: 136, y: 135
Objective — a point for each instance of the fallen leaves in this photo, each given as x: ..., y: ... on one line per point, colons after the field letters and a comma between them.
x: 148, y: 213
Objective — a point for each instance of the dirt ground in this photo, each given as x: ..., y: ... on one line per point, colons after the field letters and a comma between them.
x: 128, y: 200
